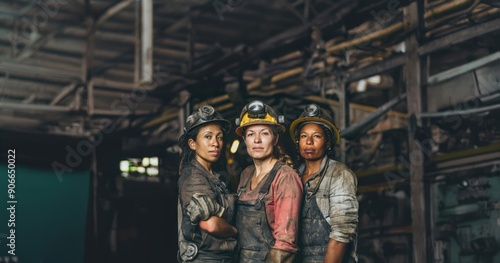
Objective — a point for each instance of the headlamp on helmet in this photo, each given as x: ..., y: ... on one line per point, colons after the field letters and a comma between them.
x: 256, y: 112
x: 312, y: 110
x: 206, y: 114
x: 256, y: 109
x: 314, y: 114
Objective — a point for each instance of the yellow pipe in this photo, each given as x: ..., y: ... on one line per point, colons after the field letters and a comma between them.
x: 212, y: 101
x: 368, y: 37
x: 436, y: 12
x: 287, y: 74
x: 431, y: 14
x: 166, y: 116
x: 397, y: 26
x: 254, y: 84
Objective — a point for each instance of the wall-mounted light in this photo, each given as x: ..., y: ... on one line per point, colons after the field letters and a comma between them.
x: 141, y: 169
x: 145, y: 161
x: 234, y: 146
x: 153, y: 161
x: 124, y: 166
x: 152, y: 171
x: 361, y: 86
x: 374, y: 80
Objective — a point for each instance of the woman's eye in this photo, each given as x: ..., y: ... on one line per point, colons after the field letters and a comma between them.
x: 219, y: 138
x: 303, y: 136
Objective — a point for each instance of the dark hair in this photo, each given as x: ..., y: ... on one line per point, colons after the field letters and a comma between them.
x: 329, y: 146
x: 186, y: 152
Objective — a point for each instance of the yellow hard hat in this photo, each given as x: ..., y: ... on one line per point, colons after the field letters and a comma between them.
x: 256, y: 112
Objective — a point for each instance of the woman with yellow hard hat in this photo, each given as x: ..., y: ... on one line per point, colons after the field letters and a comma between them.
x: 328, y: 227
x: 269, y: 192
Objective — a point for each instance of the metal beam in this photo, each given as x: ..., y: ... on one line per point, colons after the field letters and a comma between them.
x: 10, y: 67
x: 147, y: 42
x: 125, y: 86
x: 460, y: 36
x: 376, y: 68
x: 434, y: 45
x: 64, y: 93
x: 412, y: 71
x: 191, y: 42
x: 447, y: 114
x: 183, y: 22
x: 30, y: 99
x: 292, y: 10
x: 344, y: 117
x: 87, y: 64
x: 457, y: 71
x: 137, y: 42
x: 113, y: 10
x: 33, y: 107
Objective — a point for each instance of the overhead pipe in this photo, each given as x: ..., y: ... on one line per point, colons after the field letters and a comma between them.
x: 439, y: 11
x: 429, y: 15
x: 447, y: 114
x: 477, y: 15
x: 367, y: 123
x: 34, y: 107
x: 432, y: 14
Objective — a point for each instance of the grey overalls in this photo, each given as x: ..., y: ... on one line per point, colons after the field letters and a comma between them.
x: 254, y: 234
x: 196, y: 245
x: 314, y: 230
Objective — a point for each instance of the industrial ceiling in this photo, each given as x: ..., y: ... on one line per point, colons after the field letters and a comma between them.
x: 71, y: 67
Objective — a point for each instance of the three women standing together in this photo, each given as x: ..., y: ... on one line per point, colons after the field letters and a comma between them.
x: 280, y: 216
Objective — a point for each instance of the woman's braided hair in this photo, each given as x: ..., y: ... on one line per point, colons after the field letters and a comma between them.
x: 186, y: 152
x: 281, y: 155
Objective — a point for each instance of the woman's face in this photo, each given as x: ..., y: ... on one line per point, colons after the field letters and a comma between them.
x: 208, y: 144
x: 260, y: 141
x: 312, y: 142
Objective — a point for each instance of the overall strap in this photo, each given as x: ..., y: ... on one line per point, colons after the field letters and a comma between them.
x: 244, y: 186
x: 311, y: 192
x: 265, y: 188
x: 267, y: 184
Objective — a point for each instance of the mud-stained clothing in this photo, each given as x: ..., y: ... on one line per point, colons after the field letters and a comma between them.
x: 268, y: 214
x: 329, y: 211
x: 195, y: 244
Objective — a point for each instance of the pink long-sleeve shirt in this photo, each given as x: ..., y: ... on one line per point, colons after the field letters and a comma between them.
x: 282, y: 204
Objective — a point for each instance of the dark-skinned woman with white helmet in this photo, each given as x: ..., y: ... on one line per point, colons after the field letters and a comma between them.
x: 269, y: 191
x: 329, y: 218
x: 206, y: 208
